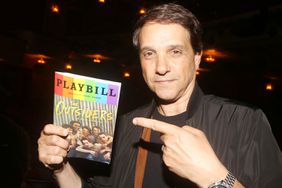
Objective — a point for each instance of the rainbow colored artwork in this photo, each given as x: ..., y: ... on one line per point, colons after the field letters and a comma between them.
x: 86, y: 88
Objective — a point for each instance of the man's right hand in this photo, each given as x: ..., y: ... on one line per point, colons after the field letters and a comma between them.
x: 53, y: 145
x: 52, y: 149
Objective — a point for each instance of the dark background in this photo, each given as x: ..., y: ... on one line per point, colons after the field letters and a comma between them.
x: 248, y: 33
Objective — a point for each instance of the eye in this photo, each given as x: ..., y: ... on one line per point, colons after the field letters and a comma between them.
x: 148, y: 54
x: 176, y: 52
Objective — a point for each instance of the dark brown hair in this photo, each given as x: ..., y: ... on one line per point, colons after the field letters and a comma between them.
x: 172, y: 13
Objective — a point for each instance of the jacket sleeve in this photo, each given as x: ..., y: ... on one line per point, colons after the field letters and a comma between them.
x: 258, y: 154
x: 85, y: 184
x: 90, y: 183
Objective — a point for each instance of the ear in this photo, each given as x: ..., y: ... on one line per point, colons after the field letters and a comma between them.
x: 197, y: 59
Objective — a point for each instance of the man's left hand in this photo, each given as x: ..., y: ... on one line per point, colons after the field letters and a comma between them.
x: 187, y: 152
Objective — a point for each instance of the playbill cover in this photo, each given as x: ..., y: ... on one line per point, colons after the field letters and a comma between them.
x: 87, y: 107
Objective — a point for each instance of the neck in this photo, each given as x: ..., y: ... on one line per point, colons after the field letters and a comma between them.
x: 179, y: 106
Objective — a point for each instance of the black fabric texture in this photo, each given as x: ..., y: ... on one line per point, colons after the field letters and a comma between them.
x: 240, y: 136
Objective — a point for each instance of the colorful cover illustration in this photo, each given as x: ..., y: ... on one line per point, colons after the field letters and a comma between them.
x: 87, y: 107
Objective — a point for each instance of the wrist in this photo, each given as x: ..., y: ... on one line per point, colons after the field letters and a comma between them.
x: 60, y: 168
x: 67, y: 177
x: 227, y: 182
x: 214, y: 175
x: 55, y: 168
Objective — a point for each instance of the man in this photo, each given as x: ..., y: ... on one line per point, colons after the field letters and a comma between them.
x: 196, y: 140
x: 95, y: 133
x: 76, y: 125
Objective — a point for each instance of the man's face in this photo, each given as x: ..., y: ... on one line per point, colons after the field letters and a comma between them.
x: 76, y: 126
x: 167, y: 60
x: 103, y: 138
x: 85, y: 132
x: 96, y: 131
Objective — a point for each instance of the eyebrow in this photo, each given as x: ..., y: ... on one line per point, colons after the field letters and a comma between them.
x: 176, y: 46
x: 168, y: 47
x: 146, y: 48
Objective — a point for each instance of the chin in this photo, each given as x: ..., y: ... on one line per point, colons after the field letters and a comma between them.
x: 164, y: 99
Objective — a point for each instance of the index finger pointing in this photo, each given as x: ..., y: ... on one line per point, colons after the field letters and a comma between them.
x: 155, y: 125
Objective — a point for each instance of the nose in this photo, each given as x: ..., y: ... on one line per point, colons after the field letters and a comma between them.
x: 162, y: 65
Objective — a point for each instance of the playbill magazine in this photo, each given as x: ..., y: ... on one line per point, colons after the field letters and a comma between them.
x: 87, y: 107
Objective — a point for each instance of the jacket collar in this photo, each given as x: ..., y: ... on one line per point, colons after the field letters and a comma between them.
x: 195, y: 100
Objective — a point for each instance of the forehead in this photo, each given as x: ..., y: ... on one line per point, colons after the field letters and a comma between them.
x: 157, y: 34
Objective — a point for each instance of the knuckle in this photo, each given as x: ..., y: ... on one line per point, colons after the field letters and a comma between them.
x: 57, y: 150
x: 63, y: 144
x: 40, y: 148
x: 54, y: 139
x: 165, y: 160
x: 52, y: 160
x: 55, y: 160
x: 64, y: 153
x: 200, y: 133
x: 42, y: 157
x: 39, y: 141
x: 47, y: 128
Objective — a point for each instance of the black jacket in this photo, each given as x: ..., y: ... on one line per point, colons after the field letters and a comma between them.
x: 240, y: 136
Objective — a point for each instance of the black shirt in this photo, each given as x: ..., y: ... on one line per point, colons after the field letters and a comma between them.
x: 156, y: 172
x: 240, y: 136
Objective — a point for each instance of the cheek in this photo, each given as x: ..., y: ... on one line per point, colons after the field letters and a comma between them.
x: 147, y: 78
x: 146, y: 72
x: 186, y: 72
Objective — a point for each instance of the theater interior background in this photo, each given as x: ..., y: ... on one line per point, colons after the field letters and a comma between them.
x: 242, y: 60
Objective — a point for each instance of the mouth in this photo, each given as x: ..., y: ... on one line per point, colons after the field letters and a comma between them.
x: 166, y: 81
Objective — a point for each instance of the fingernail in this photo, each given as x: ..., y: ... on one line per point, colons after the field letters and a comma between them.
x: 134, y: 121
